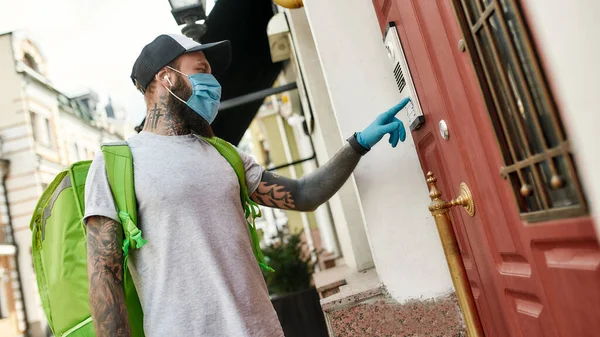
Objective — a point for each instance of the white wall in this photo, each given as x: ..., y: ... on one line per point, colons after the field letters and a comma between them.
x: 393, y: 192
x: 10, y: 84
x: 567, y: 33
x: 328, y: 139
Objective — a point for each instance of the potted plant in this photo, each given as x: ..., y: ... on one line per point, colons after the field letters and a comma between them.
x: 290, y: 286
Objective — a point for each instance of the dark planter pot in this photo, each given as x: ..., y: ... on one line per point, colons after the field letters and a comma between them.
x: 300, y: 314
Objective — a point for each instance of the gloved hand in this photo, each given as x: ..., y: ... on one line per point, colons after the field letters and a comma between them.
x: 384, y: 123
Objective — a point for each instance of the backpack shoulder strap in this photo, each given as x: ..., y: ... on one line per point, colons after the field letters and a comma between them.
x: 233, y: 157
x: 251, y: 209
x: 119, y: 168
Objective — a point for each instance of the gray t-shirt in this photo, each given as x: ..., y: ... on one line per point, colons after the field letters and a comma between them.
x: 197, y: 275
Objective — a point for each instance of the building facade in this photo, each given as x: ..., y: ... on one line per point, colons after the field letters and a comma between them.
x: 507, y: 112
x: 42, y: 131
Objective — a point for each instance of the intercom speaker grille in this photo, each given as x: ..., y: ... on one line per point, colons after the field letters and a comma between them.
x: 399, y: 76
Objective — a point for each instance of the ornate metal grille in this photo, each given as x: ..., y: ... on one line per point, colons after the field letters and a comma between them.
x: 537, y: 154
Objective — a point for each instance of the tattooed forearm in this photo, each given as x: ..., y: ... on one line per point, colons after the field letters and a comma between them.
x: 105, y: 272
x: 275, y: 191
x: 307, y: 193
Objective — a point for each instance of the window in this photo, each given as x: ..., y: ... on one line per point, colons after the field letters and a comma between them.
x: 532, y: 139
x: 50, y: 139
x: 30, y: 62
x: 42, y: 130
x: 4, y: 282
x: 74, y: 152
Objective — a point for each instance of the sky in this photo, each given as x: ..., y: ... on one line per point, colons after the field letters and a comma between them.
x: 92, y: 44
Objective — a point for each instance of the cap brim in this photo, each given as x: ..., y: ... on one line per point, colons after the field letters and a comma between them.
x: 218, y: 55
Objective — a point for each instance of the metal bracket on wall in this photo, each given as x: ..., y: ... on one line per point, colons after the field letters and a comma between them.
x: 292, y: 163
x: 255, y: 96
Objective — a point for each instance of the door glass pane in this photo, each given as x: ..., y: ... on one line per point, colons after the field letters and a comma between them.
x: 471, y: 11
x: 540, y: 100
x: 504, y: 109
x: 559, y: 186
x: 525, y: 114
x: 537, y: 158
x: 526, y: 192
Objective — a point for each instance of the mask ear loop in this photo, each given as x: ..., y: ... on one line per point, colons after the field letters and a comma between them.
x: 166, y: 77
x: 175, y: 70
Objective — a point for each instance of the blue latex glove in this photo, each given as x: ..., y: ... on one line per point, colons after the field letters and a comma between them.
x: 384, y: 123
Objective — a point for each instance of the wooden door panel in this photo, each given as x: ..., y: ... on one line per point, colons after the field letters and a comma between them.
x: 467, y: 99
x: 560, y: 229
x: 518, y: 271
x: 540, y: 279
x: 466, y: 132
x: 432, y: 160
x: 508, y: 248
x: 498, y: 248
x: 569, y: 268
x: 572, y: 242
x: 529, y: 315
x: 435, y: 153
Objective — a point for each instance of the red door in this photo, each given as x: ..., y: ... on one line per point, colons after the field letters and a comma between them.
x: 530, y: 251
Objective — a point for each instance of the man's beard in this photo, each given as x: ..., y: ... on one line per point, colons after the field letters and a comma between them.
x: 190, y: 119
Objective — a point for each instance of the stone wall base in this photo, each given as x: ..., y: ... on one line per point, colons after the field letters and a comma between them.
x: 374, y: 313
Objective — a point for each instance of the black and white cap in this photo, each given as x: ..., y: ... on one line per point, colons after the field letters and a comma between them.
x: 167, y: 47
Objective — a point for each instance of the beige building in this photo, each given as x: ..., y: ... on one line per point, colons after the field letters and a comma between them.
x: 41, y: 131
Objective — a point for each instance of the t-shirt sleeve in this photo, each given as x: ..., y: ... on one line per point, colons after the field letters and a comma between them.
x: 98, y: 195
x: 254, y: 171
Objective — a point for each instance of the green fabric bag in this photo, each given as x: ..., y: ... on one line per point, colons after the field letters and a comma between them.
x: 59, y: 238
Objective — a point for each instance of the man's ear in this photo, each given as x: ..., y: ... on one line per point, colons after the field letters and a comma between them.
x: 164, y: 78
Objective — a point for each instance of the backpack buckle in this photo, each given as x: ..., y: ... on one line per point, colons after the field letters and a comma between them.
x: 135, y: 241
x: 136, y: 235
x: 133, y: 234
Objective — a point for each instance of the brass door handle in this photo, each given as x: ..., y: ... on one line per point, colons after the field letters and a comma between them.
x: 440, y: 209
x: 464, y: 198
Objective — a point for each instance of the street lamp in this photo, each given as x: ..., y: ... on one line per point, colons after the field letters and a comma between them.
x: 188, y: 12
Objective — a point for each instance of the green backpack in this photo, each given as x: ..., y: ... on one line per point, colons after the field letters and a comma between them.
x: 59, y: 238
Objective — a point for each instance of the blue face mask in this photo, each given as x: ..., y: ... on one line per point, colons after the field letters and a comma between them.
x: 206, y: 95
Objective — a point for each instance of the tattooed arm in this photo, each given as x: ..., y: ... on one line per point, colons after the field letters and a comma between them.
x: 307, y: 193
x: 105, y: 272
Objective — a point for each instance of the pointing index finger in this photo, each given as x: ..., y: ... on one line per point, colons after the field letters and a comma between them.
x: 396, y: 108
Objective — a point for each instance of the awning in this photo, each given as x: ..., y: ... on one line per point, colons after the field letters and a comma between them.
x: 244, y: 23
